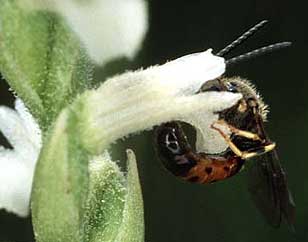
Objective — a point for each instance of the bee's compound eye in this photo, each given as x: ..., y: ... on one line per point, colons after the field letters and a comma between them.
x: 231, y: 87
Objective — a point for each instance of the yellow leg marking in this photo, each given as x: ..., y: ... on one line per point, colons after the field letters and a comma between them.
x: 267, y: 148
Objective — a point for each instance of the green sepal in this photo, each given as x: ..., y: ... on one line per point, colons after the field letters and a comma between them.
x: 132, y: 227
x: 105, y: 201
x: 60, y: 183
x: 114, y: 210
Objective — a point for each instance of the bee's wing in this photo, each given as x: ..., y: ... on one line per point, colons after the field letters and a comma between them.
x: 269, y: 190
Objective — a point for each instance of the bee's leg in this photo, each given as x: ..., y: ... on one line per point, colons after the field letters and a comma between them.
x: 244, y: 154
x: 238, y: 132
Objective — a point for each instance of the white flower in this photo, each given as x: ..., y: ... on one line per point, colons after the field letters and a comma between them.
x: 138, y: 100
x: 17, y: 165
x: 108, y: 28
x: 125, y: 104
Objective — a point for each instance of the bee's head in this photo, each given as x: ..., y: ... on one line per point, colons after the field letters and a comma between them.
x: 251, y: 101
x: 247, y: 111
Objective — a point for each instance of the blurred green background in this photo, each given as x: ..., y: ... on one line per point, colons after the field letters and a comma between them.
x: 176, y: 211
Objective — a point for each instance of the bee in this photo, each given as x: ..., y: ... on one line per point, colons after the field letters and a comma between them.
x: 244, y: 143
x: 248, y: 140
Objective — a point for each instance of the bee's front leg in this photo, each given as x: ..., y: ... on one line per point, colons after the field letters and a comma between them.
x: 263, y: 148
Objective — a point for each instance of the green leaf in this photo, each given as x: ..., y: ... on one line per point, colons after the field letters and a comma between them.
x: 41, y: 59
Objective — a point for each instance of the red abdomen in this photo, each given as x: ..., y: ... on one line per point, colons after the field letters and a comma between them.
x: 211, y: 168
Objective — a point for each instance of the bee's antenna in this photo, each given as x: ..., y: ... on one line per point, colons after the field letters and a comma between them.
x: 240, y: 39
x: 257, y: 52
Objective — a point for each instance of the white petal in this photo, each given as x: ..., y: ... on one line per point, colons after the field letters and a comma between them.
x: 186, y: 74
x: 108, y: 28
x: 15, y: 184
x: 17, y: 165
x: 29, y: 123
x: 182, y: 76
x: 105, y: 124
x: 139, y: 100
x: 22, y: 133
x: 12, y: 127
